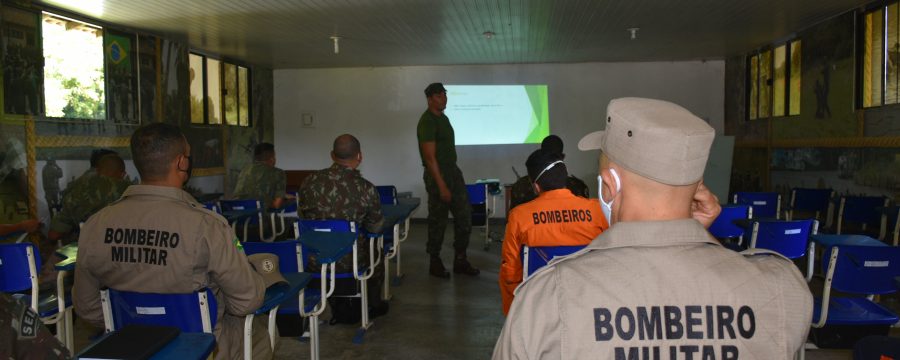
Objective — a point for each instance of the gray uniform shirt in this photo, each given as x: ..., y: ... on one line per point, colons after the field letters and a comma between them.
x: 160, y: 240
x: 659, y: 290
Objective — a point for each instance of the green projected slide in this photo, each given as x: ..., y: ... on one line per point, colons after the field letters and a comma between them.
x: 498, y: 114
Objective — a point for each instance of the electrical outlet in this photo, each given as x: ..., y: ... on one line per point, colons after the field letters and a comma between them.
x: 307, y: 120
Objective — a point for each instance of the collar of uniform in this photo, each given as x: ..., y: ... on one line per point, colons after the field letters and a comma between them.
x: 555, y: 194
x: 336, y: 166
x: 164, y: 191
x: 652, y: 233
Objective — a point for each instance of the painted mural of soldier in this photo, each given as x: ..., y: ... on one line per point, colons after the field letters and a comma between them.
x: 50, y: 175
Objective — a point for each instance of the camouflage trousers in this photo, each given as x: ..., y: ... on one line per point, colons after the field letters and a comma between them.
x: 438, y: 211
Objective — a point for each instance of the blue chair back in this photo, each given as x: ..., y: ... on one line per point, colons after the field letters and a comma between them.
x: 15, y: 266
x: 185, y: 311
x: 862, y: 209
x: 864, y: 269
x: 811, y: 200
x: 534, y: 258
x: 388, y: 194
x: 290, y: 205
x: 477, y: 193
x: 211, y: 206
x: 764, y: 204
x: 723, y: 227
x: 243, y: 204
x: 788, y: 238
x: 327, y: 226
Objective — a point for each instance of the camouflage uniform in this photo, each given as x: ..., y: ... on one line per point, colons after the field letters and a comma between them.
x: 339, y: 192
x: 522, y: 192
x: 436, y: 128
x: 261, y: 182
x: 23, y: 336
x: 84, y: 197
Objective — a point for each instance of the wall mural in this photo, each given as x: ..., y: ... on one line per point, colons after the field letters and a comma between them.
x: 849, y: 171
x: 13, y: 174
x: 22, y: 61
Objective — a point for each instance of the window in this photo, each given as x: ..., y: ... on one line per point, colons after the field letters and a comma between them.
x: 73, y: 69
x: 773, y: 82
x: 880, y: 37
x: 219, y: 92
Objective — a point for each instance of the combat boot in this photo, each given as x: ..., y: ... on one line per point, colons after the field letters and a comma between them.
x: 437, y: 268
x: 462, y: 266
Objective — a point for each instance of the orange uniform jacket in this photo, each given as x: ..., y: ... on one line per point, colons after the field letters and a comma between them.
x: 555, y: 218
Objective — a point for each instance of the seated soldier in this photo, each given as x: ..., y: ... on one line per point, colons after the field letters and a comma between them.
x: 522, y: 191
x: 261, y: 180
x: 96, y: 155
x: 85, y: 197
x: 656, y: 282
x: 556, y: 218
x: 340, y: 192
x: 186, y: 248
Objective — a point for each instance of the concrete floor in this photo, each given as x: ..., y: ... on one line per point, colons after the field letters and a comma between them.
x: 429, y: 318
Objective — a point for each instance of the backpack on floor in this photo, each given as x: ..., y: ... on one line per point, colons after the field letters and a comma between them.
x: 345, y: 310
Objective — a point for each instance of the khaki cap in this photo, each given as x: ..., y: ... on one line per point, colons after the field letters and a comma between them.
x: 266, y: 264
x: 656, y: 139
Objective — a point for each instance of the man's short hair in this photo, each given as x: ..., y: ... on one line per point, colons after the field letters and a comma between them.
x: 154, y: 146
x: 551, y: 178
x: 110, y: 164
x: 263, y: 151
x: 553, y: 144
x: 96, y: 154
x: 434, y: 88
x: 346, y: 147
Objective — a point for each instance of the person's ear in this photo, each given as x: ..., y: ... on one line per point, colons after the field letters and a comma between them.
x: 610, y: 185
x: 536, y: 188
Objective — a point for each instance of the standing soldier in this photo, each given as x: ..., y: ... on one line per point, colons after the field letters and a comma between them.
x: 51, y: 175
x: 445, y: 185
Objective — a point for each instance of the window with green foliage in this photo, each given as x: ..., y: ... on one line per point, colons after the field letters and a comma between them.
x: 880, y: 56
x: 218, y: 92
x: 73, y: 69
x: 773, y: 82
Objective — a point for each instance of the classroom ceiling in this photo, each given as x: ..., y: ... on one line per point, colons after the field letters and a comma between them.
x: 296, y: 33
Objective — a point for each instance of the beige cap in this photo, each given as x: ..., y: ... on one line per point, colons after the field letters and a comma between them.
x: 266, y: 264
x: 656, y: 139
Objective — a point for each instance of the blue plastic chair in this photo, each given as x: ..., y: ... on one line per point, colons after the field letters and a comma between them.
x: 388, y: 194
x: 788, y: 238
x: 360, y: 272
x: 287, y: 211
x: 534, y: 258
x: 765, y: 204
x: 211, y: 206
x: 863, y: 270
x: 191, y: 312
x: 815, y: 201
x: 19, y: 268
x: 725, y: 228
x: 481, y: 209
x: 862, y: 210
x: 309, y: 303
x: 251, y: 212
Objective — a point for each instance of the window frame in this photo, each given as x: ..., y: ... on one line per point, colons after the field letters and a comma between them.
x: 861, y: 43
x: 205, y: 82
x: 788, y: 72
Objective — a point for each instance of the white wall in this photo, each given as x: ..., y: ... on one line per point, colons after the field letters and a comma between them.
x: 381, y: 107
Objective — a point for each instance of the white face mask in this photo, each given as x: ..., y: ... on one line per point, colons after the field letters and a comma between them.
x: 607, y: 206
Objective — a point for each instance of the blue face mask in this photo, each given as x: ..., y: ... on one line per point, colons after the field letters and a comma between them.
x: 607, y: 206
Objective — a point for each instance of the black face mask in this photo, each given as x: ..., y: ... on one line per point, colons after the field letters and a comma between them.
x: 190, y: 168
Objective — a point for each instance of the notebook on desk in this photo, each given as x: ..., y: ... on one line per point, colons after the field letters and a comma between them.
x: 132, y: 342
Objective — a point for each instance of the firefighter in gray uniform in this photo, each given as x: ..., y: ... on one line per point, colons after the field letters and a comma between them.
x: 158, y: 239
x: 656, y: 285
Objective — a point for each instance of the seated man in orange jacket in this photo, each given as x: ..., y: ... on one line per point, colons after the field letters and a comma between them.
x: 555, y: 218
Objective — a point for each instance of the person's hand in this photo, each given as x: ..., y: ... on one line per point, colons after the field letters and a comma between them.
x: 30, y: 225
x: 705, y: 207
x: 445, y: 194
